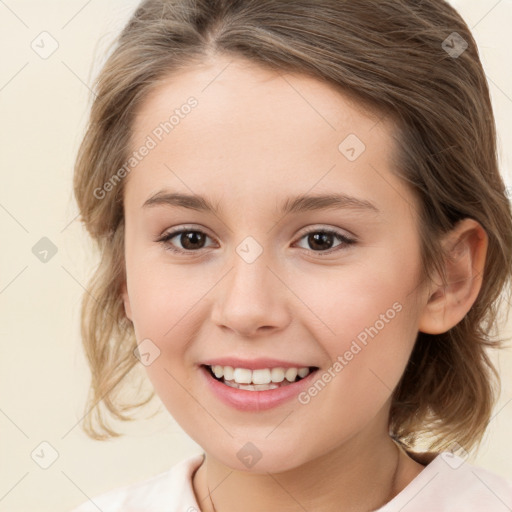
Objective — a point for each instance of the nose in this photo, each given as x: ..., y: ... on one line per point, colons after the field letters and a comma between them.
x: 252, y: 299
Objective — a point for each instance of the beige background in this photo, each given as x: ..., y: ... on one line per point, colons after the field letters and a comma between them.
x: 44, y: 378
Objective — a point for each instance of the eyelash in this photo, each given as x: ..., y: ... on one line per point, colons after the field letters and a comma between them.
x: 346, y: 241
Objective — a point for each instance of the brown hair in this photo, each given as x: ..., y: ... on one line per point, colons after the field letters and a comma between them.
x: 392, y: 57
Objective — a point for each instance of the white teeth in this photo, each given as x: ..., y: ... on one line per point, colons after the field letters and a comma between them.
x: 218, y: 371
x: 277, y: 374
x: 228, y: 373
x: 242, y: 376
x: 261, y: 376
x: 303, y: 372
x: 291, y: 374
x: 252, y: 387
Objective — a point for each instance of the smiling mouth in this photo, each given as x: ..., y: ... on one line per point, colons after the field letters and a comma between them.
x: 258, y: 380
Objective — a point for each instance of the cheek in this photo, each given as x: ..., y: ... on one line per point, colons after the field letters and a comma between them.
x: 368, y: 356
x: 160, y: 293
x: 162, y: 305
x: 354, y: 299
x: 376, y: 328
x: 168, y: 308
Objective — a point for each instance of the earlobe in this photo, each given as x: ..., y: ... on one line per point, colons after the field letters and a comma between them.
x: 447, y: 304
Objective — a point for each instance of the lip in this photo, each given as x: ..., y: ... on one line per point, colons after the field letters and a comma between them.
x: 254, y: 364
x: 250, y: 401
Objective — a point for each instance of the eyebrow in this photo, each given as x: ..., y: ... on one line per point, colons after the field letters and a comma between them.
x: 298, y: 204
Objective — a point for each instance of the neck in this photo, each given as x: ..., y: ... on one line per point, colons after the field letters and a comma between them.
x: 360, y: 475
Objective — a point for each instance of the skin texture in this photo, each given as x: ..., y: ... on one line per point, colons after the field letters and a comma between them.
x: 255, y: 138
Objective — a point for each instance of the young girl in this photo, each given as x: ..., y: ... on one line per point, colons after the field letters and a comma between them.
x: 304, y: 242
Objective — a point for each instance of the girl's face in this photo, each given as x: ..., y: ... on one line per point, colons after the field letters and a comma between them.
x: 332, y: 284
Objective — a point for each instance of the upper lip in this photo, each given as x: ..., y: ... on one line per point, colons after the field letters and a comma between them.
x: 254, y: 364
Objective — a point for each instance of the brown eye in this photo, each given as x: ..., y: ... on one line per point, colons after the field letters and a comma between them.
x: 190, y: 240
x: 321, y: 240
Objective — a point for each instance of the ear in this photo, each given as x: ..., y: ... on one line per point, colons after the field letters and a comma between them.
x: 126, y: 301
x: 466, y: 248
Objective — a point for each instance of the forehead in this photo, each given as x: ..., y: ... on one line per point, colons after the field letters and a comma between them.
x: 259, y: 133
x: 237, y: 92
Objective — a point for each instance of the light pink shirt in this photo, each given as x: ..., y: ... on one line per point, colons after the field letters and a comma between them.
x: 448, y: 483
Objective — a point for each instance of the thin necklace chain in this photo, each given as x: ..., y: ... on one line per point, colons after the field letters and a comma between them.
x: 393, y: 482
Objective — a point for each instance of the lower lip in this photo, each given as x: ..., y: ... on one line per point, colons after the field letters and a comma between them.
x: 245, y: 400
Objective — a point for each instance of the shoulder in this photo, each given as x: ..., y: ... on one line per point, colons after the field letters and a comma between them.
x: 171, y: 489
x: 451, y: 483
